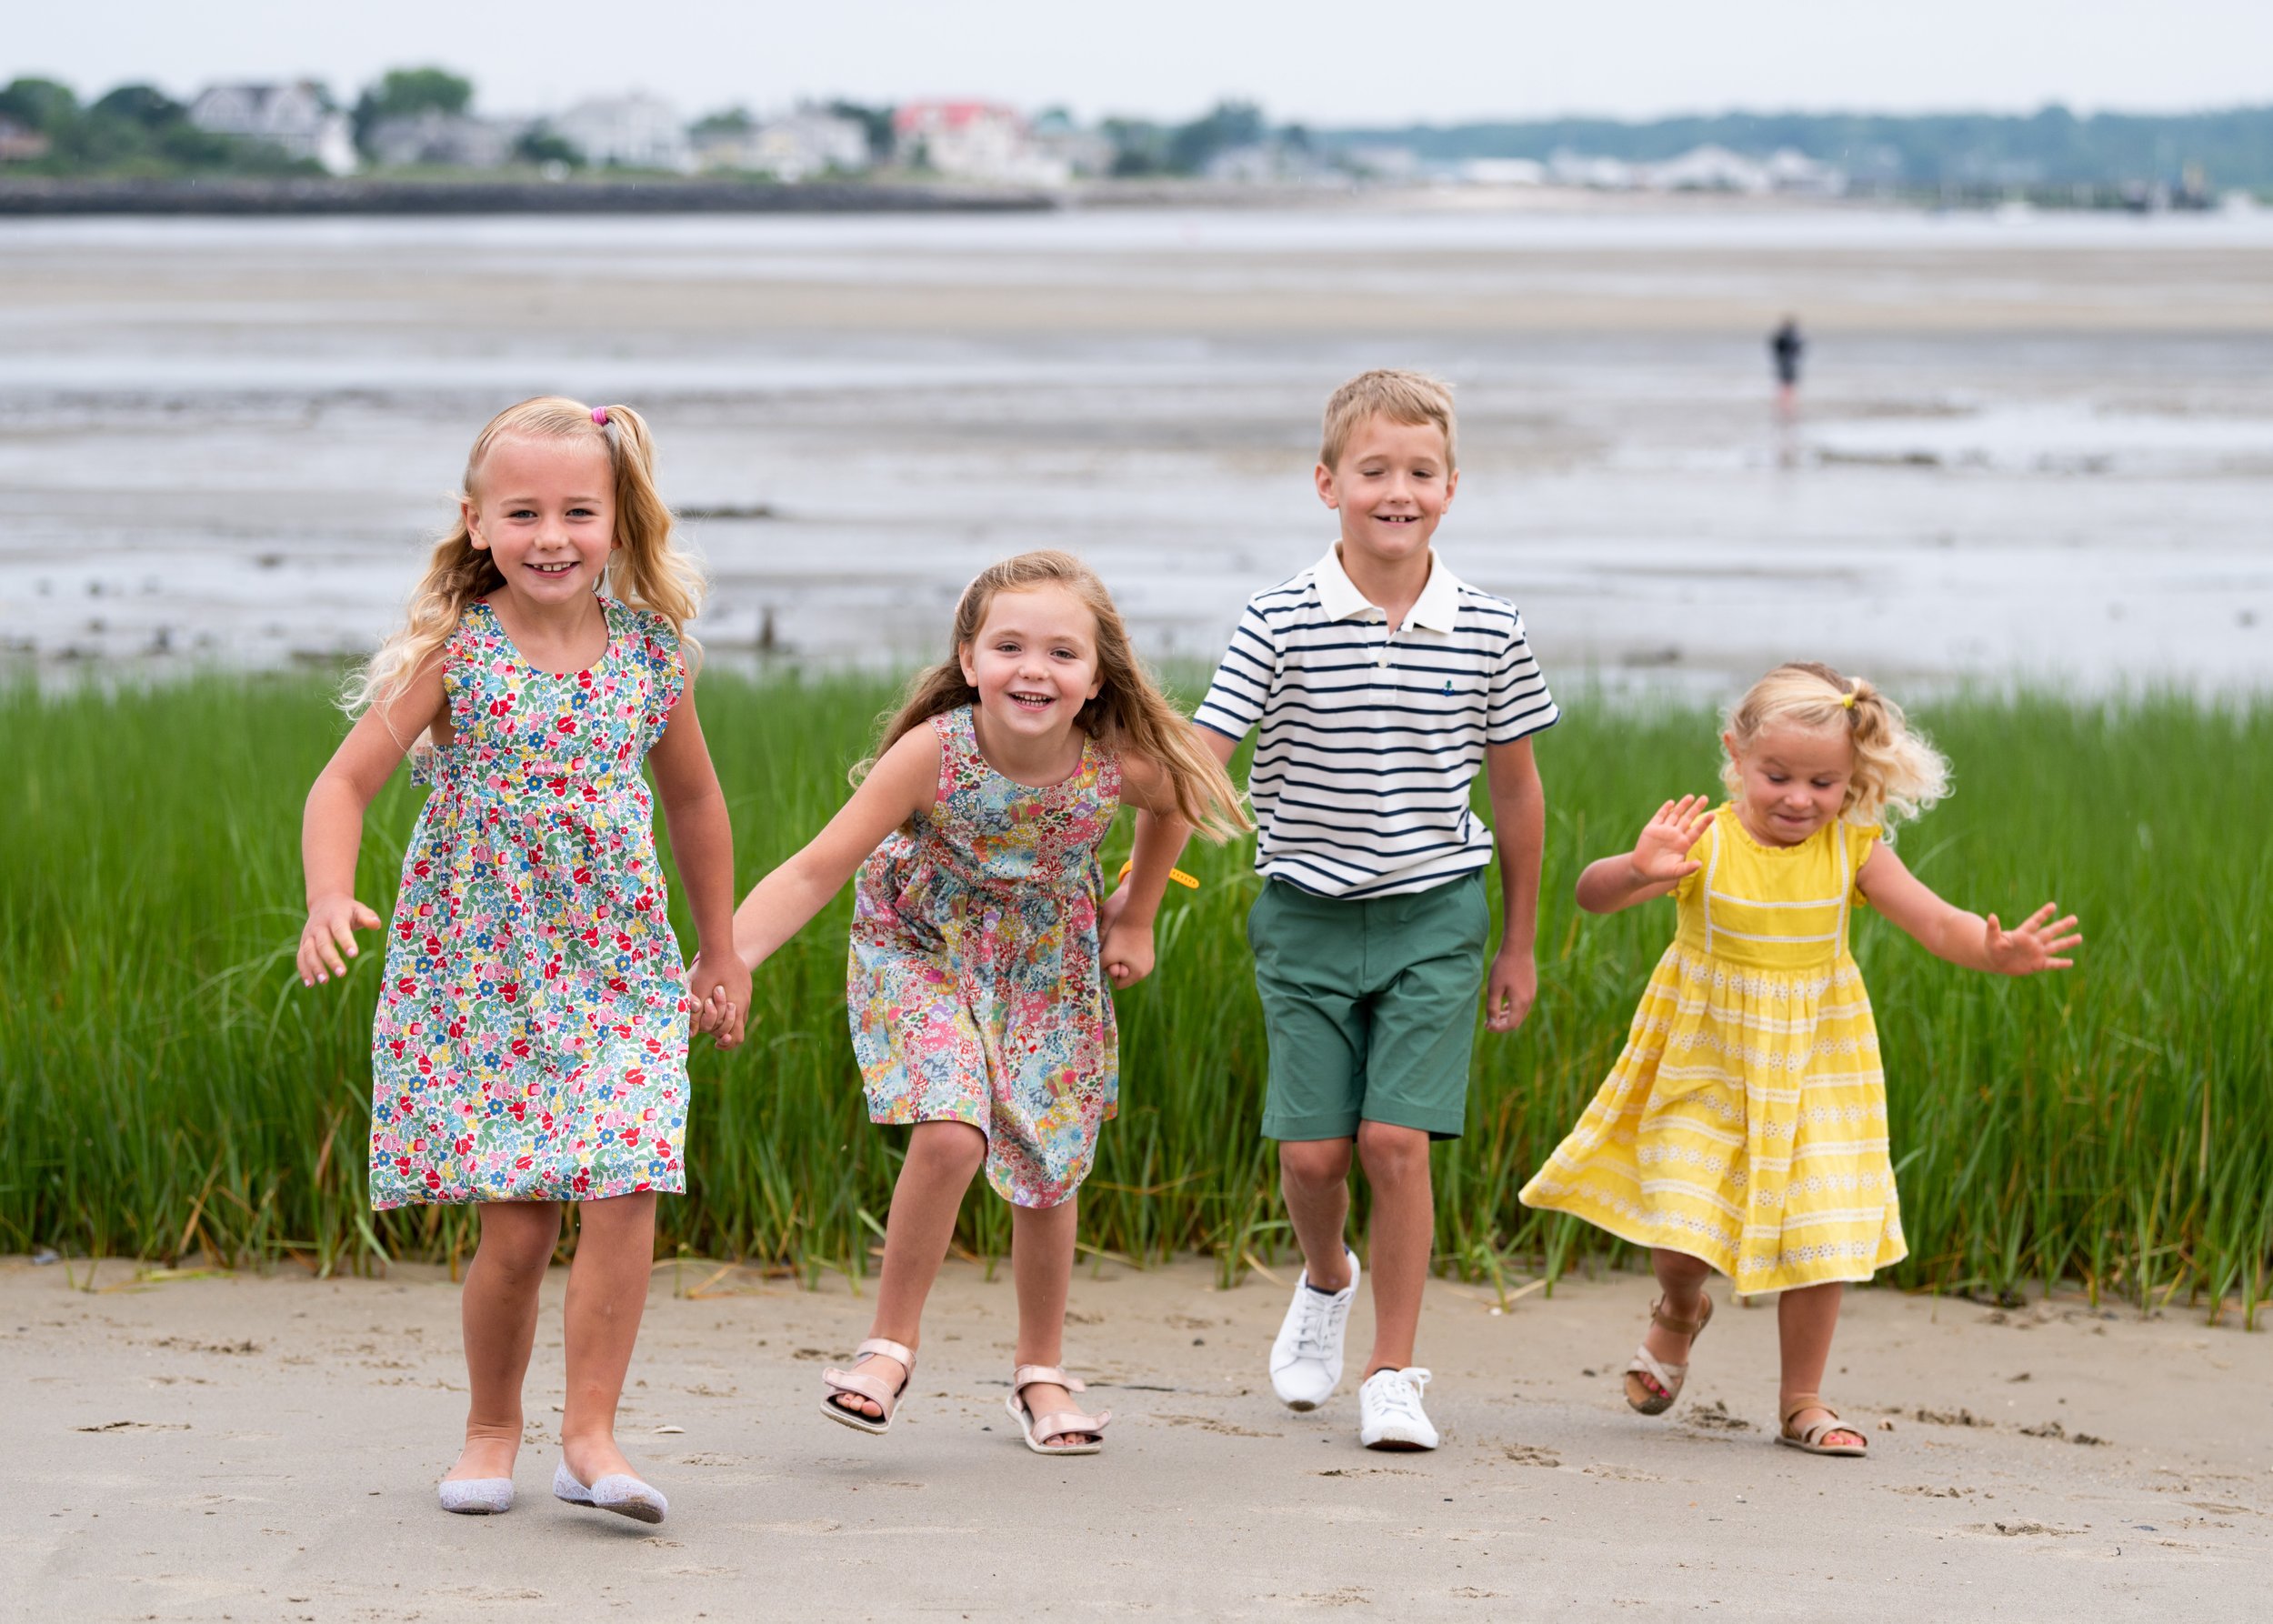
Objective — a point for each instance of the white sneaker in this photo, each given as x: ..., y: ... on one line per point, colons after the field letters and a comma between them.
x: 1389, y: 1413
x: 1307, y: 1359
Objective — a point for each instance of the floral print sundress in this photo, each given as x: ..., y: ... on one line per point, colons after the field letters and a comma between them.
x: 974, y: 983
x: 530, y: 1042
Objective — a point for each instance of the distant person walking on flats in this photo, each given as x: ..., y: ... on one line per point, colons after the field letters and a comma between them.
x: 1743, y: 1131
x: 530, y: 1042
x: 1785, y: 347
x: 1378, y: 684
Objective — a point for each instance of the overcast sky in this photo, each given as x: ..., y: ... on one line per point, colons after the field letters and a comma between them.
x: 1331, y: 62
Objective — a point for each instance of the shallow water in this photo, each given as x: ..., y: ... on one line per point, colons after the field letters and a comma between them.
x: 2036, y: 449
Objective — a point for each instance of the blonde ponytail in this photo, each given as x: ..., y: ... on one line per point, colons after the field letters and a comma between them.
x: 1898, y: 773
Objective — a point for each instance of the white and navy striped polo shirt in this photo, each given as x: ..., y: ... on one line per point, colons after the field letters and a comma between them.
x: 1371, y: 736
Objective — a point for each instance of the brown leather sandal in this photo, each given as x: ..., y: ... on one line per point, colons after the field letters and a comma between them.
x: 1668, y: 1378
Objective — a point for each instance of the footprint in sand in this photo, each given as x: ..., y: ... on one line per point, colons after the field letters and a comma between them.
x: 1210, y: 1424
x: 1531, y: 1455
x: 1620, y: 1474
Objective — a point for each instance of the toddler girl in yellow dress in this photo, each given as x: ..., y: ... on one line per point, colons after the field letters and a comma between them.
x: 1744, y: 1128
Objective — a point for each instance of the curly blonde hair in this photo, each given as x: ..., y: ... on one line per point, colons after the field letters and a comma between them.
x: 1898, y: 773
x: 646, y: 571
x: 1130, y: 715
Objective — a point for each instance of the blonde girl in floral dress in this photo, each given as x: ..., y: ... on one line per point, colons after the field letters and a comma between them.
x: 530, y: 1042
x: 977, y: 983
x: 1743, y: 1131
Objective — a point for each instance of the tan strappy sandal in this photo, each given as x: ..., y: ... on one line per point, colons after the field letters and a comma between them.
x: 1810, y: 1437
x: 1037, y: 1430
x: 1667, y: 1377
x: 854, y: 1383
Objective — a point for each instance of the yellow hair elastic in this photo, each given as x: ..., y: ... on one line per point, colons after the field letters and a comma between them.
x: 1177, y: 875
x: 1847, y: 700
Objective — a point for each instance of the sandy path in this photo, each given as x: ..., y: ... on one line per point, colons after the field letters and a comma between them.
x: 263, y: 1449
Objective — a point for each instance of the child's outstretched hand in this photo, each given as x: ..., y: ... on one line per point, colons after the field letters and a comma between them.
x: 1126, y: 952
x: 1662, y: 854
x: 330, y: 932
x: 2035, y: 946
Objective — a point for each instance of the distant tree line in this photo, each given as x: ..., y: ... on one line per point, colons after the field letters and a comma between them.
x: 135, y: 131
x: 2052, y: 147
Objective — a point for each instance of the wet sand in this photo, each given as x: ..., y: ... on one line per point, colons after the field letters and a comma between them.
x: 248, y: 1448
x: 2038, y: 447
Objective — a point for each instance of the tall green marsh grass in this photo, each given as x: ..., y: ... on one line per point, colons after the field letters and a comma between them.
x: 167, y: 1085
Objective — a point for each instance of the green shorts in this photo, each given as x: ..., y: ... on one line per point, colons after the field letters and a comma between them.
x: 1370, y: 1006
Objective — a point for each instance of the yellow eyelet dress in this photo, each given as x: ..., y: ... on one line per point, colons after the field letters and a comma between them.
x: 1745, y: 1123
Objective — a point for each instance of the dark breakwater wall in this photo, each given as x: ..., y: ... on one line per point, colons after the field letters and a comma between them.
x: 315, y: 195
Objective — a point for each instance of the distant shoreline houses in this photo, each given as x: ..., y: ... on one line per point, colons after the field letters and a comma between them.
x: 968, y: 140
x: 298, y: 119
x: 417, y: 126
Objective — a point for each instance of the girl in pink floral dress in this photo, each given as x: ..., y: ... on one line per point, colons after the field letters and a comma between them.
x: 982, y: 944
x: 530, y: 1045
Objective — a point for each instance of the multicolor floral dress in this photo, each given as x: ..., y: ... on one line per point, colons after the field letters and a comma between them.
x: 531, y: 1038
x: 1745, y: 1121
x: 974, y: 984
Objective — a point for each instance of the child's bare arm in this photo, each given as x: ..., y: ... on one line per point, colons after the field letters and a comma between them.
x: 702, y: 843
x: 1659, y: 861
x: 331, y: 826
x: 1519, y: 830
x: 905, y: 782
x: 1125, y: 946
x: 1964, y: 938
x: 1154, y: 833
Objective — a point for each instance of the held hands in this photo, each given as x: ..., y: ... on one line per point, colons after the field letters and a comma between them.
x: 1510, y: 989
x: 1123, y: 949
x: 2035, y: 946
x: 719, y: 983
x: 1662, y: 854
x: 330, y: 932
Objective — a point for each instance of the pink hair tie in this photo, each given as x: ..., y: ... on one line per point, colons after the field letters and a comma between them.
x: 599, y: 416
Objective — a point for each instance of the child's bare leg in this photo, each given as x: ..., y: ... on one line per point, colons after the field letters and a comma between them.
x: 1042, y: 1263
x: 942, y: 1158
x: 1396, y: 1160
x: 498, y: 1309
x: 1805, y: 1320
x: 1313, y: 1177
x: 1681, y: 1283
x: 607, y: 1293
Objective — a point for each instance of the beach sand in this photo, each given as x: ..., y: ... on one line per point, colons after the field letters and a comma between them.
x: 265, y: 1447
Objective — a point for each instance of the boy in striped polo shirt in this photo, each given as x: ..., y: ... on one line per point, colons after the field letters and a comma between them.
x: 1380, y: 683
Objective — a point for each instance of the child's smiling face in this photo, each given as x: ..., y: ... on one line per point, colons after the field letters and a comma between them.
x: 1391, y: 487
x: 545, y: 510
x: 1033, y: 662
x: 1793, y: 780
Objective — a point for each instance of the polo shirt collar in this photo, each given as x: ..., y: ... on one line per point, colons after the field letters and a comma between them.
x: 1437, y: 607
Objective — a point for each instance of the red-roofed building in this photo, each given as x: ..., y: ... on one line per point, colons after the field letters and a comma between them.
x: 972, y: 140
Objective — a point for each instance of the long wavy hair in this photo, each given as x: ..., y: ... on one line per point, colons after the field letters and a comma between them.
x: 1898, y: 773
x: 1130, y: 715
x: 646, y: 571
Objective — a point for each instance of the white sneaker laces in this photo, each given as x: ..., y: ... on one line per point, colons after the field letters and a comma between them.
x: 1404, y: 1394
x: 1318, y: 1312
